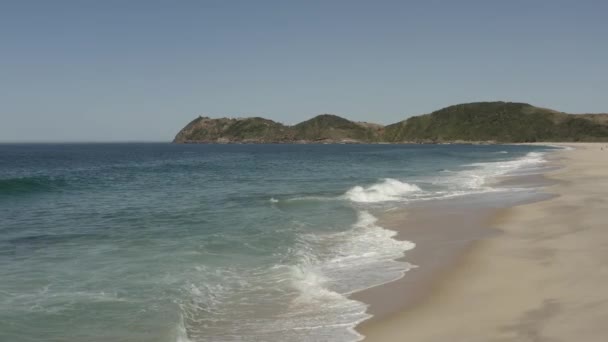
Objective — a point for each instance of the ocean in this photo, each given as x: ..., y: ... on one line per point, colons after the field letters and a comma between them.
x: 176, y: 243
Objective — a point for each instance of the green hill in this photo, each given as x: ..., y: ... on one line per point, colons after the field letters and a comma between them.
x: 500, y: 122
x: 329, y: 127
x: 470, y: 122
x: 258, y: 130
x: 322, y: 128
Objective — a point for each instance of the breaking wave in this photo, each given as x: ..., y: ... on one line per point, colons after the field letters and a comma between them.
x: 387, y: 190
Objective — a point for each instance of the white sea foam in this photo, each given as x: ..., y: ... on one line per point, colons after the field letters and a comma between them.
x: 368, y: 250
x: 181, y: 334
x: 489, y: 170
x: 475, y: 179
x: 337, y: 264
x: 310, y: 283
x: 387, y: 190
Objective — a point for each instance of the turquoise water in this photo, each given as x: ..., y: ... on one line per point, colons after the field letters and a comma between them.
x: 161, y: 242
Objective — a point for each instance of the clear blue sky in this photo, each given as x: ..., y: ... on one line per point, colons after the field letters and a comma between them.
x: 140, y: 70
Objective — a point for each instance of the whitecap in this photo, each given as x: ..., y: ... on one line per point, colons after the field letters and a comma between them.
x: 387, y: 190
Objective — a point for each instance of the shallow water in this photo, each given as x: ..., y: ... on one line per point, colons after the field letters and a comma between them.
x: 161, y: 242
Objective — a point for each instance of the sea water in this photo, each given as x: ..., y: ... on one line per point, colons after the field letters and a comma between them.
x: 163, y: 242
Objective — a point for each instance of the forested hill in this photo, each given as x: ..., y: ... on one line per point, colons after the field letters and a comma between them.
x: 470, y: 122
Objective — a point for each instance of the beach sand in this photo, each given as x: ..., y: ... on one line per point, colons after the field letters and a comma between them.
x: 531, y: 272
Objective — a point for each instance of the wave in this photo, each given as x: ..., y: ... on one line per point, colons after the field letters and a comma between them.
x: 475, y: 179
x: 368, y: 249
x: 311, y: 284
x: 181, y: 333
x: 387, y: 190
x: 332, y: 266
x: 487, y: 170
x: 25, y: 185
x: 478, y: 177
x: 314, y: 278
x: 454, y: 183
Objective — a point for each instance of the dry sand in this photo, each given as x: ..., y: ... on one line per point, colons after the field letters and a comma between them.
x: 543, y: 277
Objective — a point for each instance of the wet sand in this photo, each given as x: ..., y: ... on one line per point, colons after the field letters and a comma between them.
x: 495, y: 272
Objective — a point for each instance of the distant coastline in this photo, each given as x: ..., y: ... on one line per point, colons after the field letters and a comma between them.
x: 469, y: 123
x: 337, y: 142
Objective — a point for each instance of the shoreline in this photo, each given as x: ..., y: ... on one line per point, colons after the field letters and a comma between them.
x: 489, y: 278
x: 441, y: 241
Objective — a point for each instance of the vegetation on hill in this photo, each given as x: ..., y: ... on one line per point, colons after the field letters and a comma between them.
x: 204, y: 129
x: 332, y: 127
x: 322, y: 128
x: 497, y: 121
x: 480, y: 121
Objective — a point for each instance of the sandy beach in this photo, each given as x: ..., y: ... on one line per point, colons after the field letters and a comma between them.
x: 529, y: 272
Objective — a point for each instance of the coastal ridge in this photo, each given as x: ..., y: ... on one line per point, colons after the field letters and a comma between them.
x: 487, y: 122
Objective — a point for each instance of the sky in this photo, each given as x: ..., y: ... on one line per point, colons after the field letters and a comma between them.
x: 140, y: 70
